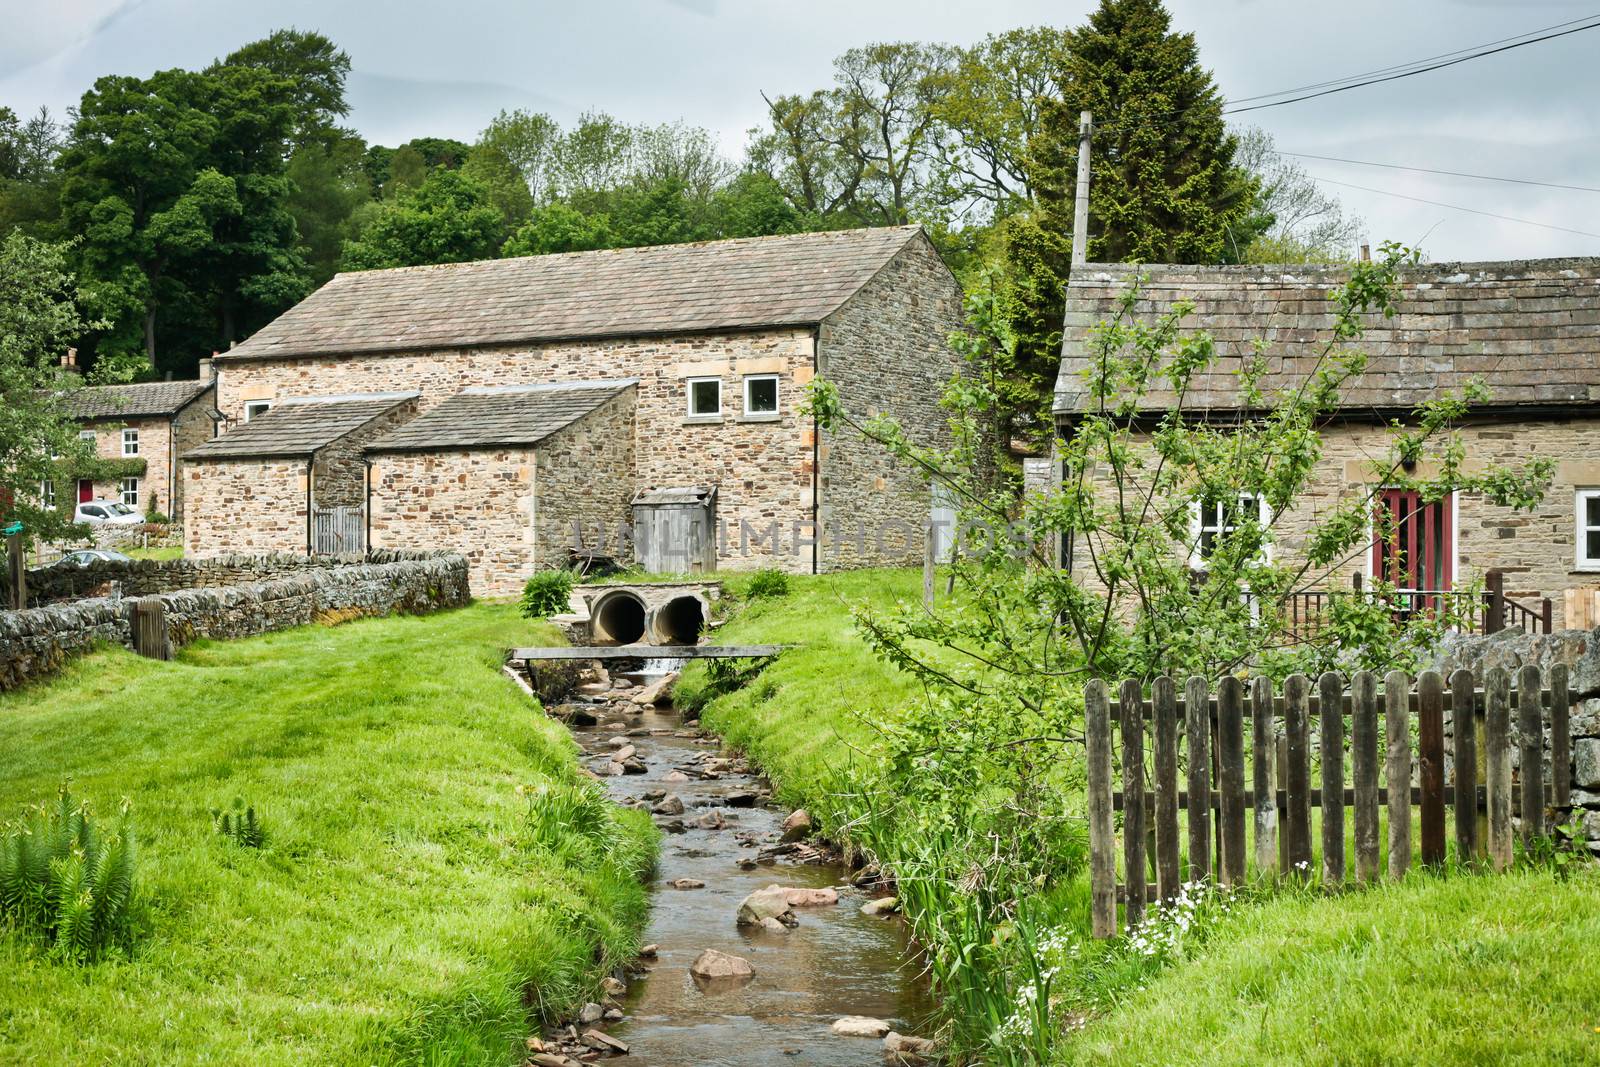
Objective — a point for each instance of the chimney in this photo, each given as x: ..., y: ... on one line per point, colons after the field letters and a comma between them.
x: 208, y: 372
x: 69, y: 359
x: 1366, y: 252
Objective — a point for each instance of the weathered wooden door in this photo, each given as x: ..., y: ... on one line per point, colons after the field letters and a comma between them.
x: 1413, y: 544
x: 338, y: 531
x: 675, y: 530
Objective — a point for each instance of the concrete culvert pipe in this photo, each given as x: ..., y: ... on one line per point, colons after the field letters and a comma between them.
x: 679, y: 621
x: 618, y: 619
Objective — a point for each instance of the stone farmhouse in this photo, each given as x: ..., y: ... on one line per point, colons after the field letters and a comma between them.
x: 139, y: 433
x: 513, y: 409
x: 1529, y: 331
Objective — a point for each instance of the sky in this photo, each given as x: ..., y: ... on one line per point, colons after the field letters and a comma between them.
x: 446, y: 69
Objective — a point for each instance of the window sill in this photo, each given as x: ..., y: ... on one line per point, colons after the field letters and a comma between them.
x: 767, y: 417
x: 1585, y: 569
x: 702, y: 420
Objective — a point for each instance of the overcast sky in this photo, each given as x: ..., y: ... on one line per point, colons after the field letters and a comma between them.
x: 446, y: 68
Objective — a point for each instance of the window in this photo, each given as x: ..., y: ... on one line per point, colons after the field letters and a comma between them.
x: 130, y: 492
x: 705, y: 398
x: 93, y: 511
x: 87, y: 436
x: 1213, y: 520
x: 1588, y: 529
x: 761, y: 396
x: 130, y: 442
x: 47, y: 495
x: 255, y: 407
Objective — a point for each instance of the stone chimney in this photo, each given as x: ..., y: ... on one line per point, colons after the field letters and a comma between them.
x: 208, y: 372
x: 69, y: 359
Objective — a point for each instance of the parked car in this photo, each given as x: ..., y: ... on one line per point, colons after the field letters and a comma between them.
x: 85, y: 556
x: 107, y: 512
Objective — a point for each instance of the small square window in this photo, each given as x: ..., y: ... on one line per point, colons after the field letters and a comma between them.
x: 1588, y: 509
x: 761, y: 394
x: 1213, y: 520
x: 705, y: 397
x: 87, y: 436
x: 130, y: 442
x: 130, y: 492
x: 255, y: 407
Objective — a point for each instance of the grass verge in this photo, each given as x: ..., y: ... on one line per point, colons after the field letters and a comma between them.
x: 405, y: 909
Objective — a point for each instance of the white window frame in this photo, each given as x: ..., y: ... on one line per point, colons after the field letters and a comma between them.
x: 124, y: 492
x: 89, y: 436
x: 47, y: 495
x: 688, y: 388
x: 1581, y: 529
x: 777, y: 396
x: 130, y: 442
x: 1197, y: 527
x: 252, y: 408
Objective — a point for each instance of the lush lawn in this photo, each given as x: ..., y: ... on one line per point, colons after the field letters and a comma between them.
x: 403, y: 911
x: 1458, y: 970
x: 165, y: 552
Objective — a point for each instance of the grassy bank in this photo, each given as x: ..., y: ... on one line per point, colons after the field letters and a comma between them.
x: 404, y: 909
x: 1460, y: 970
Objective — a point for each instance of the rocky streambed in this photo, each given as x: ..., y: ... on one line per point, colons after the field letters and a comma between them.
x: 817, y: 971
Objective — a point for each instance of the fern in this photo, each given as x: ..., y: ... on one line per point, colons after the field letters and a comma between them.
x: 63, y: 882
x: 240, y: 825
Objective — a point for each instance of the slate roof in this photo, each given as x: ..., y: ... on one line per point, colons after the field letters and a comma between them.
x: 1529, y: 329
x: 488, y: 416
x: 299, y: 427
x: 792, y: 280
x: 143, y: 400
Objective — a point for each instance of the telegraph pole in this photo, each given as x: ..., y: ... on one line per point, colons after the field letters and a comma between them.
x: 1080, y: 212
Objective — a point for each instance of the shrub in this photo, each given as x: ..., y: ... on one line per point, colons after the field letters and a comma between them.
x: 156, y: 518
x: 546, y: 593
x: 240, y: 824
x: 768, y: 582
x: 63, y: 881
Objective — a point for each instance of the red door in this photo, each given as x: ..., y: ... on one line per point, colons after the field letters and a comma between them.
x: 85, y: 490
x: 1413, y: 542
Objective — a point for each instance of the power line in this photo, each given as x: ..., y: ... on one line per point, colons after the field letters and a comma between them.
x: 1455, y: 207
x: 1451, y: 173
x: 1415, y: 71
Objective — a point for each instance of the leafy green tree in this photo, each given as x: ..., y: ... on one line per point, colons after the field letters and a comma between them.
x: 754, y: 205
x: 1304, y: 224
x: 329, y: 185
x: 528, y: 141
x: 40, y: 316
x: 312, y: 69
x: 811, y: 154
x: 448, y: 219
x: 886, y: 95
x: 508, y: 190
x: 560, y: 227
x: 595, y: 155
x: 30, y: 180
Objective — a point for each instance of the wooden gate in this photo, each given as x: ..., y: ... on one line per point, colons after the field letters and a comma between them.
x: 1413, y: 547
x: 675, y: 530
x: 338, y: 531
x: 1227, y: 736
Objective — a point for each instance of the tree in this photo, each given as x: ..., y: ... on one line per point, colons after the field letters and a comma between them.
x: 503, y: 182
x: 528, y: 140
x: 40, y: 317
x: 560, y: 227
x: 1306, y: 224
x: 448, y: 219
x: 329, y: 185
x: 888, y: 93
x: 30, y: 181
x: 313, y: 71
x: 810, y: 154
x: 595, y: 155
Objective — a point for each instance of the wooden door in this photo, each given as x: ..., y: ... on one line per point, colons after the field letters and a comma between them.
x: 85, y: 490
x: 1413, y: 544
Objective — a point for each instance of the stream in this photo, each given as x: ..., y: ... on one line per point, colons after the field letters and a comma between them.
x: 837, y: 962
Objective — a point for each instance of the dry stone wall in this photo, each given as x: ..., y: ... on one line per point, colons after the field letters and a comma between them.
x: 38, y: 641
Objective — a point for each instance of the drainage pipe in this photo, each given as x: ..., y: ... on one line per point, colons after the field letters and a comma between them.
x: 618, y: 618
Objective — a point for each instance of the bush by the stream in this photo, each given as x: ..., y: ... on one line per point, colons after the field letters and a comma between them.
x: 547, y: 593
x: 67, y: 882
x: 767, y: 582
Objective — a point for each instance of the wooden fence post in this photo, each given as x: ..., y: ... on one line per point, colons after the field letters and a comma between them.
x: 1364, y: 769
x: 1464, y: 725
x: 1397, y: 769
x: 1494, y: 615
x: 1164, y: 701
x: 1197, y: 713
x: 1262, y: 759
x: 16, y: 571
x: 1230, y: 777
x: 1102, y: 836
x: 1497, y: 759
x: 1530, y: 727
x: 1430, y: 753
x: 147, y: 621
x: 1560, y: 740
x: 1131, y: 706
x: 1297, y: 828
x: 1330, y: 690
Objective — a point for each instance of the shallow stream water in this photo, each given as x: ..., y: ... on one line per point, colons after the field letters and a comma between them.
x: 837, y: 962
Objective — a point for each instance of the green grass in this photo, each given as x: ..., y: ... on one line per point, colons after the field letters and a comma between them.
x: 1451, y: 970
x: 406, y: 910
x: 163, y: 552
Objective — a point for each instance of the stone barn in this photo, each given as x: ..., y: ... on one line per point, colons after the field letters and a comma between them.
x: 508, y: 476
x: 292, y: 479
x: 721, y: 339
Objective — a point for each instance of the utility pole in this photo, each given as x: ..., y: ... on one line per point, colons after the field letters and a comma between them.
x: 1080, y: 211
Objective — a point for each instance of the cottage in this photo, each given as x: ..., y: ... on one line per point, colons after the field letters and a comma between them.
x: 292, y: 479
x: 138, y: 433
x: 1530, y: 331
x: 707, y: 350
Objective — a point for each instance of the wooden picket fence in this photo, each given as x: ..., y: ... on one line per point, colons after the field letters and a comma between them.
x: 1212, y: 734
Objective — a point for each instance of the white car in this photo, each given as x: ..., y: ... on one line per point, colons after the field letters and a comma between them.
x: 107, y: 512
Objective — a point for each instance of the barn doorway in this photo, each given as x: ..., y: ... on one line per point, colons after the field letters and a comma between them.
x: 675, y: 529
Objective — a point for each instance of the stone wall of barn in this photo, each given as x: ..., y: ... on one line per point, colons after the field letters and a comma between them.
x: 585, y: 482
x: 192, y: 428
x: 1536, y: 551
x: 249, y: 506
x: 762, y: 466
x: 888, y: 351
x: 339, y: 479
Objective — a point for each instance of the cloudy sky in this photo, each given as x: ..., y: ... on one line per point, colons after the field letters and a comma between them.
x: 445, y: 68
